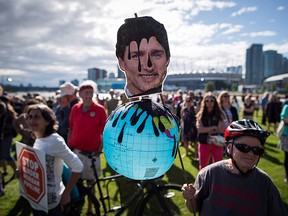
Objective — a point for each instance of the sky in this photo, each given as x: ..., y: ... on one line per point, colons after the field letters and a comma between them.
x: 42, y: 42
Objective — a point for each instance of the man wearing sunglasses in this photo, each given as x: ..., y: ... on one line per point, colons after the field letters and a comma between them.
x: 236, y: 186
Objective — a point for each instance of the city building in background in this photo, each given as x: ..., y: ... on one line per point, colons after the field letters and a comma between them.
x: 277, y: 83
x: 223, y: 79
x: 272, y: 63
x: 96, y: 74
x: 254, y: 65
x: 120, y: 73
x: 261, y: 70
x: 266, y: 67
x: 104, y: 80
x: 264, y: 71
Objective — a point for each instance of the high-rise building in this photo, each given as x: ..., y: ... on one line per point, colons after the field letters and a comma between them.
x: 254, y: 65
x: 234, y: 69
x: 261, y: 65
x: 270, y: 63
x: 96, y: 73
x: 285, y: 65
x: 120, y: 73
x: 279, y: 64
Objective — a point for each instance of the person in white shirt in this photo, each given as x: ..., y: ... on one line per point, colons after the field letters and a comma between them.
x: 42, y: 122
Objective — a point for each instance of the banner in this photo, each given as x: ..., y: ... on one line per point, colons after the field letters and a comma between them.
x: 32, y: 168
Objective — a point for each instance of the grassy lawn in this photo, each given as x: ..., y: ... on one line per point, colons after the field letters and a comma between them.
x: 272, y: 163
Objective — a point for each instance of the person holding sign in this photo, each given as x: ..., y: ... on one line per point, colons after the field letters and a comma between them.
x: 42, y: 122
x: 143, y: 54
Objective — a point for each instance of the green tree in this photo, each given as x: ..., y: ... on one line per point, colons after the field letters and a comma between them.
x: 210, y: 86
x: 234, y: 87
x: 264, y: 88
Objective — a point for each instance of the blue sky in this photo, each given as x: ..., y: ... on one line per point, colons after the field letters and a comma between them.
x: 43, y: 42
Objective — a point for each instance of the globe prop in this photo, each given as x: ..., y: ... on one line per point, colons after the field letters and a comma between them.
x: 140, y: 140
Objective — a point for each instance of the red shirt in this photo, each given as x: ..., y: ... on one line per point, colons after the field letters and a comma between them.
x: 86, y: 128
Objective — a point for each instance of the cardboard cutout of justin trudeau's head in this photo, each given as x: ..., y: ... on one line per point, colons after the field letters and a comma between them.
x: 143, y: 55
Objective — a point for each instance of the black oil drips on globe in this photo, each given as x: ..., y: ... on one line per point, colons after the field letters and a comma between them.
x: 148, y: 108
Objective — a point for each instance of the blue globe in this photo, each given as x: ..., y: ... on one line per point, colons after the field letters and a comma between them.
x: 140, y: 140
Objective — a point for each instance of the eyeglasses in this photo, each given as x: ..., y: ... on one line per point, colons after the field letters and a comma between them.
x: 211, y: 101
x: 245, y: 149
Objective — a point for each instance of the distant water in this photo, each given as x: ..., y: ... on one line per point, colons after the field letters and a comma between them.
x: 48, y: 94
x: 45, y: 94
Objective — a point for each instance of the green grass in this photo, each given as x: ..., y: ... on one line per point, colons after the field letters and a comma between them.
x: 272, y: 163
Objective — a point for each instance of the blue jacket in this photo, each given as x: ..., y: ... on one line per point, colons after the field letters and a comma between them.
x: 283, y: 115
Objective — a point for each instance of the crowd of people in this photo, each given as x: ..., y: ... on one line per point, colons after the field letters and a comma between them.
x: 79, y: 115
x: 68, y: 128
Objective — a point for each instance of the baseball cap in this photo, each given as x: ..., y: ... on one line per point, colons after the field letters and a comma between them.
x: 67, y: 88
x: 88, y: 84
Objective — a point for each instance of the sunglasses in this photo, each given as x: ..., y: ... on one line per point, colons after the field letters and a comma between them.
x: 212, y: 101
x: 245, y: 149
x: 226, y: 96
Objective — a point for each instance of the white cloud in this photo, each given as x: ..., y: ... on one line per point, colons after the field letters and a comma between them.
x: 260, y: 34
x: 194, y: 7
x: 281, y: 48
x: 43, y: 42
x: 8, y: 72
x: 217, y: 56
x: 244, y: 10
x: 232, y: 29
x: 280, y: 8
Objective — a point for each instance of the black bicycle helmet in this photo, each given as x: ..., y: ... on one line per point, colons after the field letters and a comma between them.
x: 245, y: 127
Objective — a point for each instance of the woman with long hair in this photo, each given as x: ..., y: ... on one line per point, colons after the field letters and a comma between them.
x: 210, y: 123
x: 42, y: 122
x: 230, y: 111
x: 273, y: 110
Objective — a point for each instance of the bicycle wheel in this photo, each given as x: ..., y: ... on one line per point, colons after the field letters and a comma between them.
x: 87, y: 192
x: 171, y: 198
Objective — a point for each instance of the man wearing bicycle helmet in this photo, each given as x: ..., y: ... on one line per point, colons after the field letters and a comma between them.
x: 236, y: 186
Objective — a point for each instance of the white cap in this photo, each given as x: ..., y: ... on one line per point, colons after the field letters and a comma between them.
x: 89, y: 83
x: 67, y: 89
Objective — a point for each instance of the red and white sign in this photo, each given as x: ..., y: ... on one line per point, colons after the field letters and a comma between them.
x: 32, y: 175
